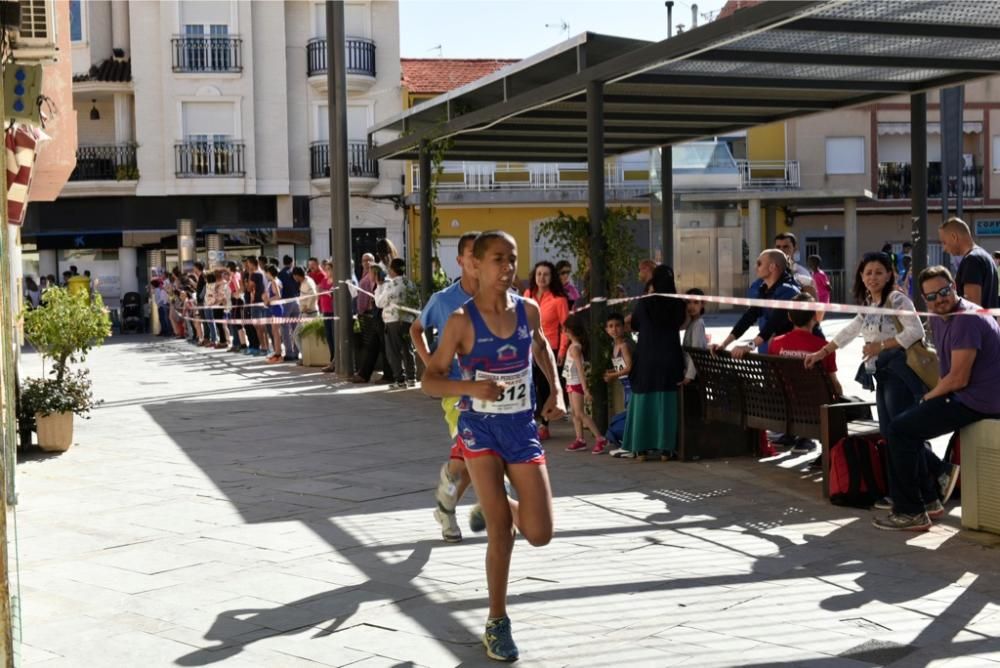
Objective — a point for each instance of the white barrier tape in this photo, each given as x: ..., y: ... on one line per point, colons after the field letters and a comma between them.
x: 275, y: 302
x: 788, y: 305
x: 355, y: 289
x: 272, y: 320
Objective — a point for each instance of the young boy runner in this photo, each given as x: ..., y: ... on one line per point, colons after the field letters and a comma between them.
x: 496, y: 336
x: 454, y: 478
x: 802, y: 342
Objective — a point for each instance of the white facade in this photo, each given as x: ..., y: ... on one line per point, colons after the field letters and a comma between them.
x: 225, y: 99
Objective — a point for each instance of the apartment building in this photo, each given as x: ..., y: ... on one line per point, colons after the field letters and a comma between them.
x: 203, y: 132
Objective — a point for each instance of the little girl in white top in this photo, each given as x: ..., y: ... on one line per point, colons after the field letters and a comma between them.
x: 576, y: 387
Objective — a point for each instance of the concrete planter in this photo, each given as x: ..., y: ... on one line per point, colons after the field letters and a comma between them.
x: 315, y: 352
x: 55, y: 431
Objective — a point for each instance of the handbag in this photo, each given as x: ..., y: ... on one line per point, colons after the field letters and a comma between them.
x: 922, y: 360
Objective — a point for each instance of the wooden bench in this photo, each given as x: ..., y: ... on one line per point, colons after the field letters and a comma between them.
x: 733, y: 399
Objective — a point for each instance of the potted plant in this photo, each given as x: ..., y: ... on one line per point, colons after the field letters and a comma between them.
x: 63, y: 330
x: 315, y: 351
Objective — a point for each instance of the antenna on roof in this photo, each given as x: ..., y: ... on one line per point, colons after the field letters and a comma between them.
x: 562, y: 25
x: 439, y: 49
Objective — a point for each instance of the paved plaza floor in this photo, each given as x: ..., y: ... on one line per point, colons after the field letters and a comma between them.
x: 217, y: 510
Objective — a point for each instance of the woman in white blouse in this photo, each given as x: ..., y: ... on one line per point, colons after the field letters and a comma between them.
x: 886, y: 338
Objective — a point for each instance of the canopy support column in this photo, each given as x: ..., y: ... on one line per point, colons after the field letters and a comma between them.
x: 426, y: 224
x: 598, y: 246
x: 667, y: 190
x: 340, y: 201
x: 753, y: 233
x: 918, y: 171
x: 850, y: 235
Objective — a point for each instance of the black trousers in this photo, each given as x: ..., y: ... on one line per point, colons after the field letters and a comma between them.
x: 373, y: 346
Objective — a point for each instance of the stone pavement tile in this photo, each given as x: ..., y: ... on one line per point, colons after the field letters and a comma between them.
x: 315, y: 645
x: 109, y: 577
x: 31, y: 655
x: 383, y: 662
x: 269, y: 614
x: 407, y: 646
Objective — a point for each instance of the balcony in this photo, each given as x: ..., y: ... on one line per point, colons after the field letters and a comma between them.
x: 894, y: 181
x: 360, y: 164
x: 488, y: 177
x: 194, y: 159
x: 207, y: 53
x: 115, y: 162
x: 768, y: 174
x: 360, y: 66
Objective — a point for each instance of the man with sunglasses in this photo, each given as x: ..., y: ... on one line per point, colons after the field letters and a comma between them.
x: 968, y: 347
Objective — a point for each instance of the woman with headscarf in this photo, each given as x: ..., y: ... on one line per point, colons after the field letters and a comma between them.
x: 657, y: 372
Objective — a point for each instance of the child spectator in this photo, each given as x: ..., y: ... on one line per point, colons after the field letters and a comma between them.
x: 800, y: 342
x: 621, y: 362
x: 694, y: 331
x: 578, y: 390
x: 820, y: 279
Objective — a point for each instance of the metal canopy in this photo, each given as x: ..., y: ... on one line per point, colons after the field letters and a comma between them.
x: 766, y: 63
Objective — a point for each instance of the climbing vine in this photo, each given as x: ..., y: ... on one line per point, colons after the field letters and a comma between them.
x: 570, y: 236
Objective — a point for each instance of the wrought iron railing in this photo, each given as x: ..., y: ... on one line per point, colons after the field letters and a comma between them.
x: 360, y: 56
x: 208, y: 158
x: 895, y: 181
x: 768, y: 174
x: 360, y: 164
x: 207, y: 53
x: 115, y: 162
x: 490, y: 176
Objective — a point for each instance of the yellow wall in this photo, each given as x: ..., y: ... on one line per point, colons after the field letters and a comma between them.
x: 766, y: 142
x: 515, y: 220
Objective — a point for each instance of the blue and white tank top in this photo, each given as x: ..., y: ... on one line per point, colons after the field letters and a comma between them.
x: 506, y: 361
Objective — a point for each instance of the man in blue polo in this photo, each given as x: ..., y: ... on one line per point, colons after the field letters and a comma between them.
x: 968, y: 348
x: 289, y: 290
x: 454, y: 479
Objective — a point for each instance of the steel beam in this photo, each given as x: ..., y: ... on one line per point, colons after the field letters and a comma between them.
x: 713, y: 81
x: 791, y: 58
x: 598, y: 245
x: 340, y: 218
x: 918, y: 176
x: 667, y: 190
x: 901, y: 29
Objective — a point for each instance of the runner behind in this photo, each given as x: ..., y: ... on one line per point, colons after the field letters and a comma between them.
x: 496, y: 335
x: 453, y: 479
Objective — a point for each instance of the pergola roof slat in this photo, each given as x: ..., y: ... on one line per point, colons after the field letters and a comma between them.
x: 770, y: 62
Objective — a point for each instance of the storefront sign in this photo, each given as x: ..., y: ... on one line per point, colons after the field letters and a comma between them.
x: 989, y: 227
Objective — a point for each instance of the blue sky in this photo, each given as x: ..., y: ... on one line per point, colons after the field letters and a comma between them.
x: 517, y: 28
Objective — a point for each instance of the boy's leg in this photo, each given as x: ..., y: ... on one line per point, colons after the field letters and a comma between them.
x: 487, y: 473
x: 533, y: 508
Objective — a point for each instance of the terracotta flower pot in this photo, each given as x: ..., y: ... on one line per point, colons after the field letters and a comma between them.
x: 55, y: 431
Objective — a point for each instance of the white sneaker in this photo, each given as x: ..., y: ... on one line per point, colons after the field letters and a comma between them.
x: 447, y: 491
x: 622, y: 453
x: 449, y: 526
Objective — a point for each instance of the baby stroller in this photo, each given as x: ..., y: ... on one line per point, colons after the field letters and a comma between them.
x: 131, y: 313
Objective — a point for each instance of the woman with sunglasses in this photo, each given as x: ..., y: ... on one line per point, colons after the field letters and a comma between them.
x: 897, y: 387
x: 565, y: 271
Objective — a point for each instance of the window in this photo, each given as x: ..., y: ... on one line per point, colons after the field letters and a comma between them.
x: 845, y: 155
x: 995, y: 155
x: 75, y: 21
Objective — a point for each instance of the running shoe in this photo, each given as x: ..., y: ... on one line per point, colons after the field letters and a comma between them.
x: 903, y: 522
x: 803, y: 445
x: 450, y: 531
x: 885, y: 503
x: 934, y: 509
x: 477, y: 520
x: 543, y: 433
x: 577, y: 445
x: 618, y: 452
x: 628, y: 454
x: 947, y: 481
x: 411, y: 383
x: 600, y: 447
x: 274, y: 359
x: 499, y: 641
x: 447, y: 490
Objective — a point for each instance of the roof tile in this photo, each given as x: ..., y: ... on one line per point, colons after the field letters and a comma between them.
x: 440, y: 75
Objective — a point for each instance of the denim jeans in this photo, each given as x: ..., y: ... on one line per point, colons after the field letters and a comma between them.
x: 908, y: 484
x: 291, y: 310
x: 897, y: 390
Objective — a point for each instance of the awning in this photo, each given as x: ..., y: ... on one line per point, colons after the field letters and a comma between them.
x: 766, y: 63
x: 968, y: 127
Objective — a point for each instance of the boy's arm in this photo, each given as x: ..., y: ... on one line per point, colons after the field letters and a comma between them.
x: 435, y: 381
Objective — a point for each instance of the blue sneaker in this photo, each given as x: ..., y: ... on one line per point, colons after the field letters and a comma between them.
x: 250, y: 351
x: 498, y: 640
